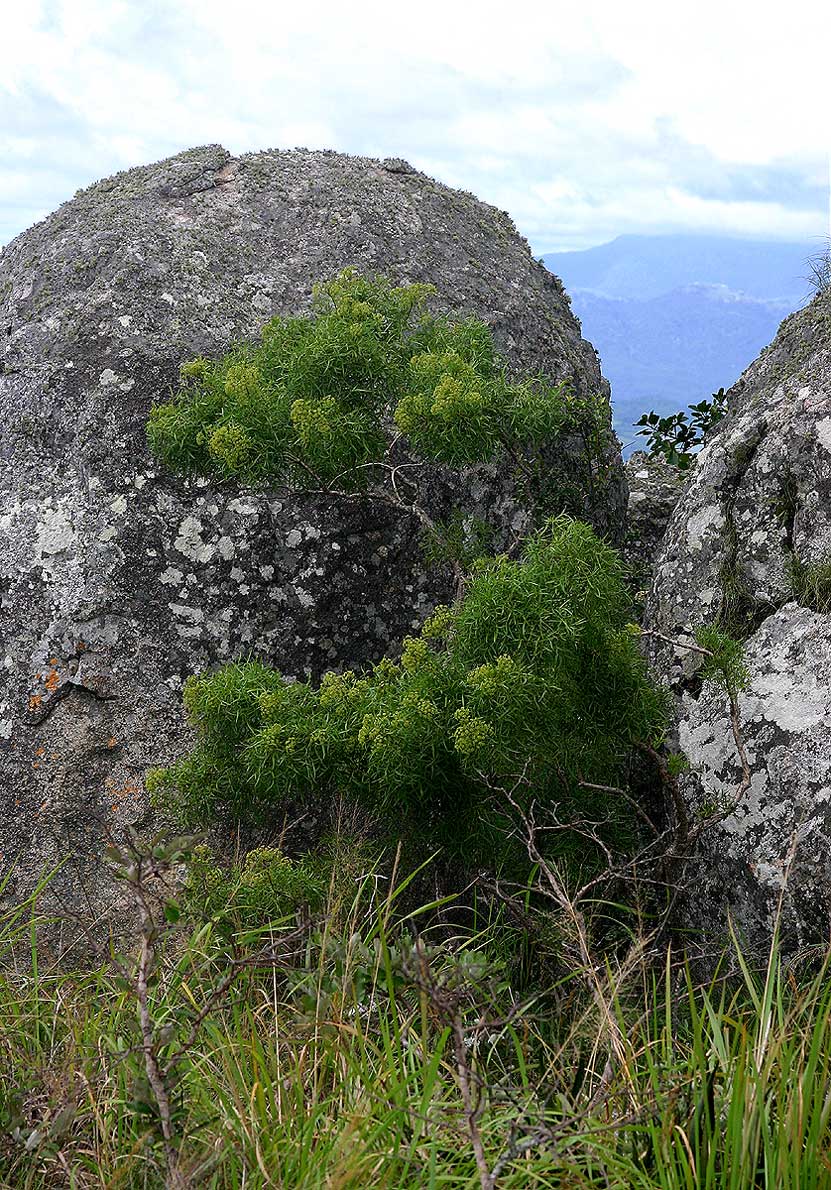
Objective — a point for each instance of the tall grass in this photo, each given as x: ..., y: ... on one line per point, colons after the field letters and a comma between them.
x: 337, y: 1068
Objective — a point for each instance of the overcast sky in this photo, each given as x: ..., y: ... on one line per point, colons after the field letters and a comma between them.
x: 584, y: 121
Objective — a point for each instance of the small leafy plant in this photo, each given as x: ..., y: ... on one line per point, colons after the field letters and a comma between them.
x: 678, y: 436
x: 726, y: 664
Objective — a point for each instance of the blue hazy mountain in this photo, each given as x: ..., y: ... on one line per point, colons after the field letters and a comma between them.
x: 676, y: 317
x: 670, y: 351
x: 642, y: 267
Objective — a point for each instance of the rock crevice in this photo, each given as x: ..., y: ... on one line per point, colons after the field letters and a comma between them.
x: 757, y: 506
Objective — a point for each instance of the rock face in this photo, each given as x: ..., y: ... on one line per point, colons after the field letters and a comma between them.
x: 748, y: 544
x: 654, y: 490
x: 118, y: 580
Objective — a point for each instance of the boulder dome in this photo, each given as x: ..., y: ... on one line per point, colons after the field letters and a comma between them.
x: 119, y: 579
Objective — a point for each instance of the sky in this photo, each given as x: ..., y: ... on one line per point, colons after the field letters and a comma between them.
x: 585, y: 121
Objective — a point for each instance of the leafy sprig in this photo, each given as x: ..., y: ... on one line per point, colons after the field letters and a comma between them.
x: 678, y: 437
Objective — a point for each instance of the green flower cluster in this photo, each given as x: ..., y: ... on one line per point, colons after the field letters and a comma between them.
x: 495, y: 677
x: 230, y: 446
x: 313, y: 419
x: 242, y: 380
x: 265, y: 888
x: 439, y: 625
x: 415, y: 654
x: 472, y: 736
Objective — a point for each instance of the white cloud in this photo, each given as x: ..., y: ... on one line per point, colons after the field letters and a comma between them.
x: 583, y: 122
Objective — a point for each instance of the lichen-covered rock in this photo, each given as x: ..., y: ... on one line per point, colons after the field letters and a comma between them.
x: 654, y: 489
x: 117, y: 579
x: 748, y: 544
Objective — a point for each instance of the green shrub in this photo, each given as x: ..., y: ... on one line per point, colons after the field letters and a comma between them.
x: 533, y: 672
x: 265, y: 887
x: 318, y: 400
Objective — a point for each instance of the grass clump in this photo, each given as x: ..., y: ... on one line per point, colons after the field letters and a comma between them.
x: 811, y: 583
x: 387, y: 1051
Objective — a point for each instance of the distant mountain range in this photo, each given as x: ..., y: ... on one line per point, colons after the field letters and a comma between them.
x: 675, y: 317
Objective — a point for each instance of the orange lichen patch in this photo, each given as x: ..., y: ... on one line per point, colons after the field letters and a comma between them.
x: 112, y: 741
x: 40, y: 751
x: 35, y: 764
x: 52, y: 680
x: 118, y: 792
x: 34, y: 701
x: 53, y: 661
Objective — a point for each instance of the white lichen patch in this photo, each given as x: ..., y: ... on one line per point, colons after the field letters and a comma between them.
x: 194, y: 614
x: 55, y: 533
x: 705, y: 523
x: 242, y: 507
x: 824, y: 432
x: 189, y: 541
x: 770, y: 875
x: 791, y: 699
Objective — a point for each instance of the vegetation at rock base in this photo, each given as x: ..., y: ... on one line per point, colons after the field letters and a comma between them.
x: 373, y: 1049
x: 533, y: 671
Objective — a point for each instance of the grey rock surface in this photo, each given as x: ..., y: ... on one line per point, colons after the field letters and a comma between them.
x: 117, y: 579
x: 757, y: 506
x: 654, y: 490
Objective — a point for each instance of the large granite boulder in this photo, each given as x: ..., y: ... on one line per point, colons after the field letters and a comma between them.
x: 117, y: 579
x: 749, y: 544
